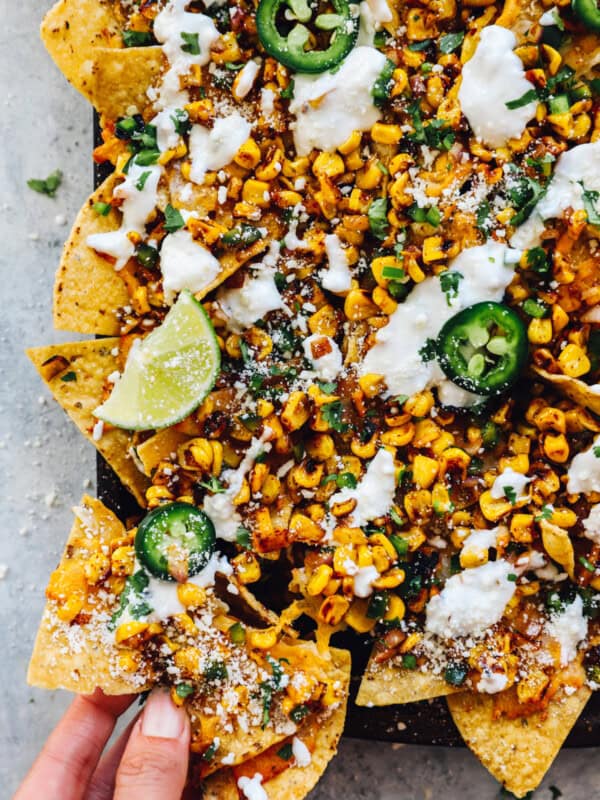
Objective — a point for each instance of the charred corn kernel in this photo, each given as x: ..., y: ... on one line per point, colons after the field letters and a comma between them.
x: 442, y: 442
x: 551, y: 418
x: 243, y: 496
x: 379, y: 264
x: 400, y: 81
x: 539, y: 331
x: 354, y: 161
x: 261, y: 640
x: 440, y: 499
x: 454, y: 458
x: 271, y: 169
x: 411, y: 641
x: 122, y: 560
x: 380, y: 540
x: 382, y: 561
x: 415, y: 538
x: 264, y: 408
x: 319, y: 580
x: 384, y: 300
x: 270, y: 490
x: 420, y: 404
x: 425, y: 471
x: 333, y: 609
x: 303, y: 529
x: 386, y: 134
x: 287, y: 199
x: 129, y: 629
x: 370, y: 176
x: 343, y: 507
x: 256, y: 193
x: 415, y: 271
x: 418, y: 504
x: 519, y: 444
x: 518, y: 463
x: 472, y: 557
x: 329, y: 165
x: 202, y: 453
x: 344, y: 559
x: 357, y: 618
x: 574, y: 361
x: 521, y: 527
x: 393, y: 578
x: 400, y: 163
x: 307, y: 475
x: 371, y: 384
x: 563, y: 517
x: 155, y: 495
x: 96, y: 567
x: 364, y: 556
x: 258, y: 475
x: 351, y: 143
x: 186, y: 624
x: 248, y: 156
x: 556, y: 447
x: 190, y: 595
x: 493, y: 509
x: 226, y: 49
x: 333, y: 586
x: 560, y: 318
x: 129, y: 661
x: 364, y: 450
x: 433, y: 249
x: 435, y: 91
x: 396, y: 608
x: 320, y: 447
x: 358, y: 306
x: 296, y: 411
x: 246, y: 567
x: 324, y: 321
x: 399, y: 437
x: 296, y: 168
x: 200, y: 110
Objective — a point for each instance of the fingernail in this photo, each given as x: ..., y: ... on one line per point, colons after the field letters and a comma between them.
x: 161, y: 718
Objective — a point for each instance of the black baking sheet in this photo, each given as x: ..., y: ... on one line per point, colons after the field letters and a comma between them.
x: 428, y: 722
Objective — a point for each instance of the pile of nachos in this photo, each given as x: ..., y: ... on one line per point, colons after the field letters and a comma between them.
x: 344, y: 284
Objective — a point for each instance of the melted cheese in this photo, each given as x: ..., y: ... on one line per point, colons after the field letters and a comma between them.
x: 329, y: 107
x: 185, y: 264
x: 491, y: 78
x: 486, y: 272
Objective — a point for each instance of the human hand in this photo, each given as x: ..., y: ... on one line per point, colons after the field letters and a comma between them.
x: 149, y: 761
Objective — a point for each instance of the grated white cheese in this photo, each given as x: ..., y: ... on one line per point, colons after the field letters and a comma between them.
x: 569, y: 628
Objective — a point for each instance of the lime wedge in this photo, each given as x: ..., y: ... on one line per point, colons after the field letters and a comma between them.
x: 167, y: 374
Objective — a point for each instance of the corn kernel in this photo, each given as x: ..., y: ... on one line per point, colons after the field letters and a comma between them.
x: 386, y: 134
x: 574, y: 361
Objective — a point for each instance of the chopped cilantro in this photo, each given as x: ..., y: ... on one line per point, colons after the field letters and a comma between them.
x: 524, y: 195
x: 173, y: 219
x: 449, y: 281
x: 345, y: 480
x: 409, y: 661
x: 537, y: 260
x: 400, y: 544
x: 132, y: 598
x: 285, y: 752
x: 333, y: 415
x: 530, y: 96
x: 181, y: 121
x: 102, y: 208
x: 298, y: 713
x: 68, y: 377
x: 512, y: 577
x: 428, y: 351
x: 288, y: 92
x: 510, y: 494
x: 377, y: 215
x: 184, y: 690
x: 137, y: 38
x: 49, y: 185
x: 383, y: 84
x: 596, y: 451
x: 451, y: 42
x: 435, y: 134
x: 215, y: 671
x: 213, y: 485
x: 243, y: 537
x: 543, y: 164
x: 141, y: 181
x: 191, y: 44
x: 417, y: 47
x: 590, y: 200
x: 545, y: 513
x: 327, y: 387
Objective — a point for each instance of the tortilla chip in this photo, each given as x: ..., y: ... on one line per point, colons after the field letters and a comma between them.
x: 577, y: 390
x: 516, y: 754
x: 387, y: 684
x: 120, y: 79
x: 70, y: 657
x: 72, y: 31
x: 87, y: 289
x: 159, y: 448
x: 75, y: 374
x: 293, y: 783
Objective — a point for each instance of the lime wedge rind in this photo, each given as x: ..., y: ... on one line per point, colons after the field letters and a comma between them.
x: 168, y: 374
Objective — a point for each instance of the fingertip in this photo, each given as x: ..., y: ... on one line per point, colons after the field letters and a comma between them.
x: 162, y: 719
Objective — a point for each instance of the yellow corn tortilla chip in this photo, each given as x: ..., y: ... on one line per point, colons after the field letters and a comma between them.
x: 517, y: 754
x: 387, y: 684
x: 73, y: 30
x: 573, y: 388
x: 87, y: 289
x: 120, y: 79
x: 71, y: 657
x: 295, y: 782
x: 75, y: 374
x: 159, y: 447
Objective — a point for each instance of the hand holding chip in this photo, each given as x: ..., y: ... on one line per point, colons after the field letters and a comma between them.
x: 149, y: 760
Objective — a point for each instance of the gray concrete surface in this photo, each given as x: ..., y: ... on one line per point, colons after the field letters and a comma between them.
x: 45, y: 465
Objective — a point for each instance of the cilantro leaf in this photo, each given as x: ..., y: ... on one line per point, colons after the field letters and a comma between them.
x: 429, y: 350
x: 191, y: 44
x: 590, y: 200
x: 451, y: 42
x: 285, y: 752
x: 48, y: 186
x: 449, y: 281
x: 181, y: 121
x: 173, y: 219
x: 383, y: 84
x: 510, y: 494
x: 137, y: 38
x: 333, y: 415
x: 377, y: 215
x: 213, y: 485
x: 537, y: 260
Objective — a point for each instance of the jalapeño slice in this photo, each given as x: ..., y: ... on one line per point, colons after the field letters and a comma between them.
x: 175, y: 541
x: 588, y: 13
x: 483, y: 349
x: 284, y: 34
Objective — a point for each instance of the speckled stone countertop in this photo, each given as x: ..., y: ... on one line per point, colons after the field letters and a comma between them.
x: 45, y: 465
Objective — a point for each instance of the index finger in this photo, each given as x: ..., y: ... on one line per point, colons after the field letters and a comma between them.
x: 69, y: 757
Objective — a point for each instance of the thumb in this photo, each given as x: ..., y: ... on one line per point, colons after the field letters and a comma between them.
x: 155, y: 762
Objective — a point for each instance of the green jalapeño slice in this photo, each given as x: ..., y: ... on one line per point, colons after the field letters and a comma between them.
x: 175, y: 541
x: 284, y: 32
x: 483, y: 349
x: 588, y: 13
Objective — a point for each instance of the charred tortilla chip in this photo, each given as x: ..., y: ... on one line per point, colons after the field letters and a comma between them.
x: 576, y: 390
x: 120, y: 79
x: 70, y: 656
x: 72, y: 31
x: 387, y: 684
x: 87, y: 289
x: 517, y: 754
x: 282, y: 778
x: 75, y: 373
